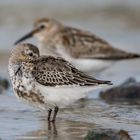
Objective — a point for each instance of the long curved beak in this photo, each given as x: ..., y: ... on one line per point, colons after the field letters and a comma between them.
x: 27, y: 36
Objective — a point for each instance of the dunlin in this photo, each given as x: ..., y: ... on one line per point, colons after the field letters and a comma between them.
x: 86, y: 51
x: 47, y: 82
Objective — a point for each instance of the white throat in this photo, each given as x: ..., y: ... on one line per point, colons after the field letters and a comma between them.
x: 47, y: 50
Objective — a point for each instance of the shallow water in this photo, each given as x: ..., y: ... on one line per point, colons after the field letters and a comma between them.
x: 119, y: 26
x: 19, y: 121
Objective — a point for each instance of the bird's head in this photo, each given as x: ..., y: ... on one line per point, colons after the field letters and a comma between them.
x: 44, y: 29
x: 24, y: 52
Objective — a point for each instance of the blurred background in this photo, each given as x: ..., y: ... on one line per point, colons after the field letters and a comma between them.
x: 118, y: 22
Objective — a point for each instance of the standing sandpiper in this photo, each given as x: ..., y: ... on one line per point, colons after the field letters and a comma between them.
x: 84, y: 50
x: 47, y: 82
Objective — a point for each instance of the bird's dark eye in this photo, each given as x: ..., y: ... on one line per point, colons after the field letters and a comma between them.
x: 42, y: 26
x: 30, y: 54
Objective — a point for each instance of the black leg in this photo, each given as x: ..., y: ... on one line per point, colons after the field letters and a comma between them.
x: 55, y: 113
x: 49, y: 114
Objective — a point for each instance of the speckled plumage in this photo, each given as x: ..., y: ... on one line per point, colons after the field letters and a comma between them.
x: 39, y: 80
x: 51, y: 71
x: 75, y: 45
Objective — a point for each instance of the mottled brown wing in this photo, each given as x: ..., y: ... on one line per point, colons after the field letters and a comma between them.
x: 50, y: 71
x: 82, y: 44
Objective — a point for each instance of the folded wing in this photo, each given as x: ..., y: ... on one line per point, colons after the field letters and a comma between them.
x: 83, y: 44
x: 50, y: 71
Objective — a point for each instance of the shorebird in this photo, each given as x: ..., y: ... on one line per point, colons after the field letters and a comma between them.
x: 86, y: 51
x: 47, y: 82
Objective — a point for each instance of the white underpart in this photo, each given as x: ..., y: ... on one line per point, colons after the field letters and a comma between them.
x: 64, y: 95
x: 59, y: 95
x: 89, y: 66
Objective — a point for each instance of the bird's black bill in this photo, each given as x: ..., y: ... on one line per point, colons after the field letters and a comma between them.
x: 27, y: 36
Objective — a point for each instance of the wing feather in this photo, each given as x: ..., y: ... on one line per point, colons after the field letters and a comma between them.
x: 50, y: 71
x: 83, y: 44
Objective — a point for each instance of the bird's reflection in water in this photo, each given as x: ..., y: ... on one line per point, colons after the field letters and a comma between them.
x: 52, y: 128
x: 62, y: 129
x: 47, y: 130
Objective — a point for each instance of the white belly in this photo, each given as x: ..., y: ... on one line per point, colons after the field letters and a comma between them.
x: 63, y: 96
x: 89, y: 66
